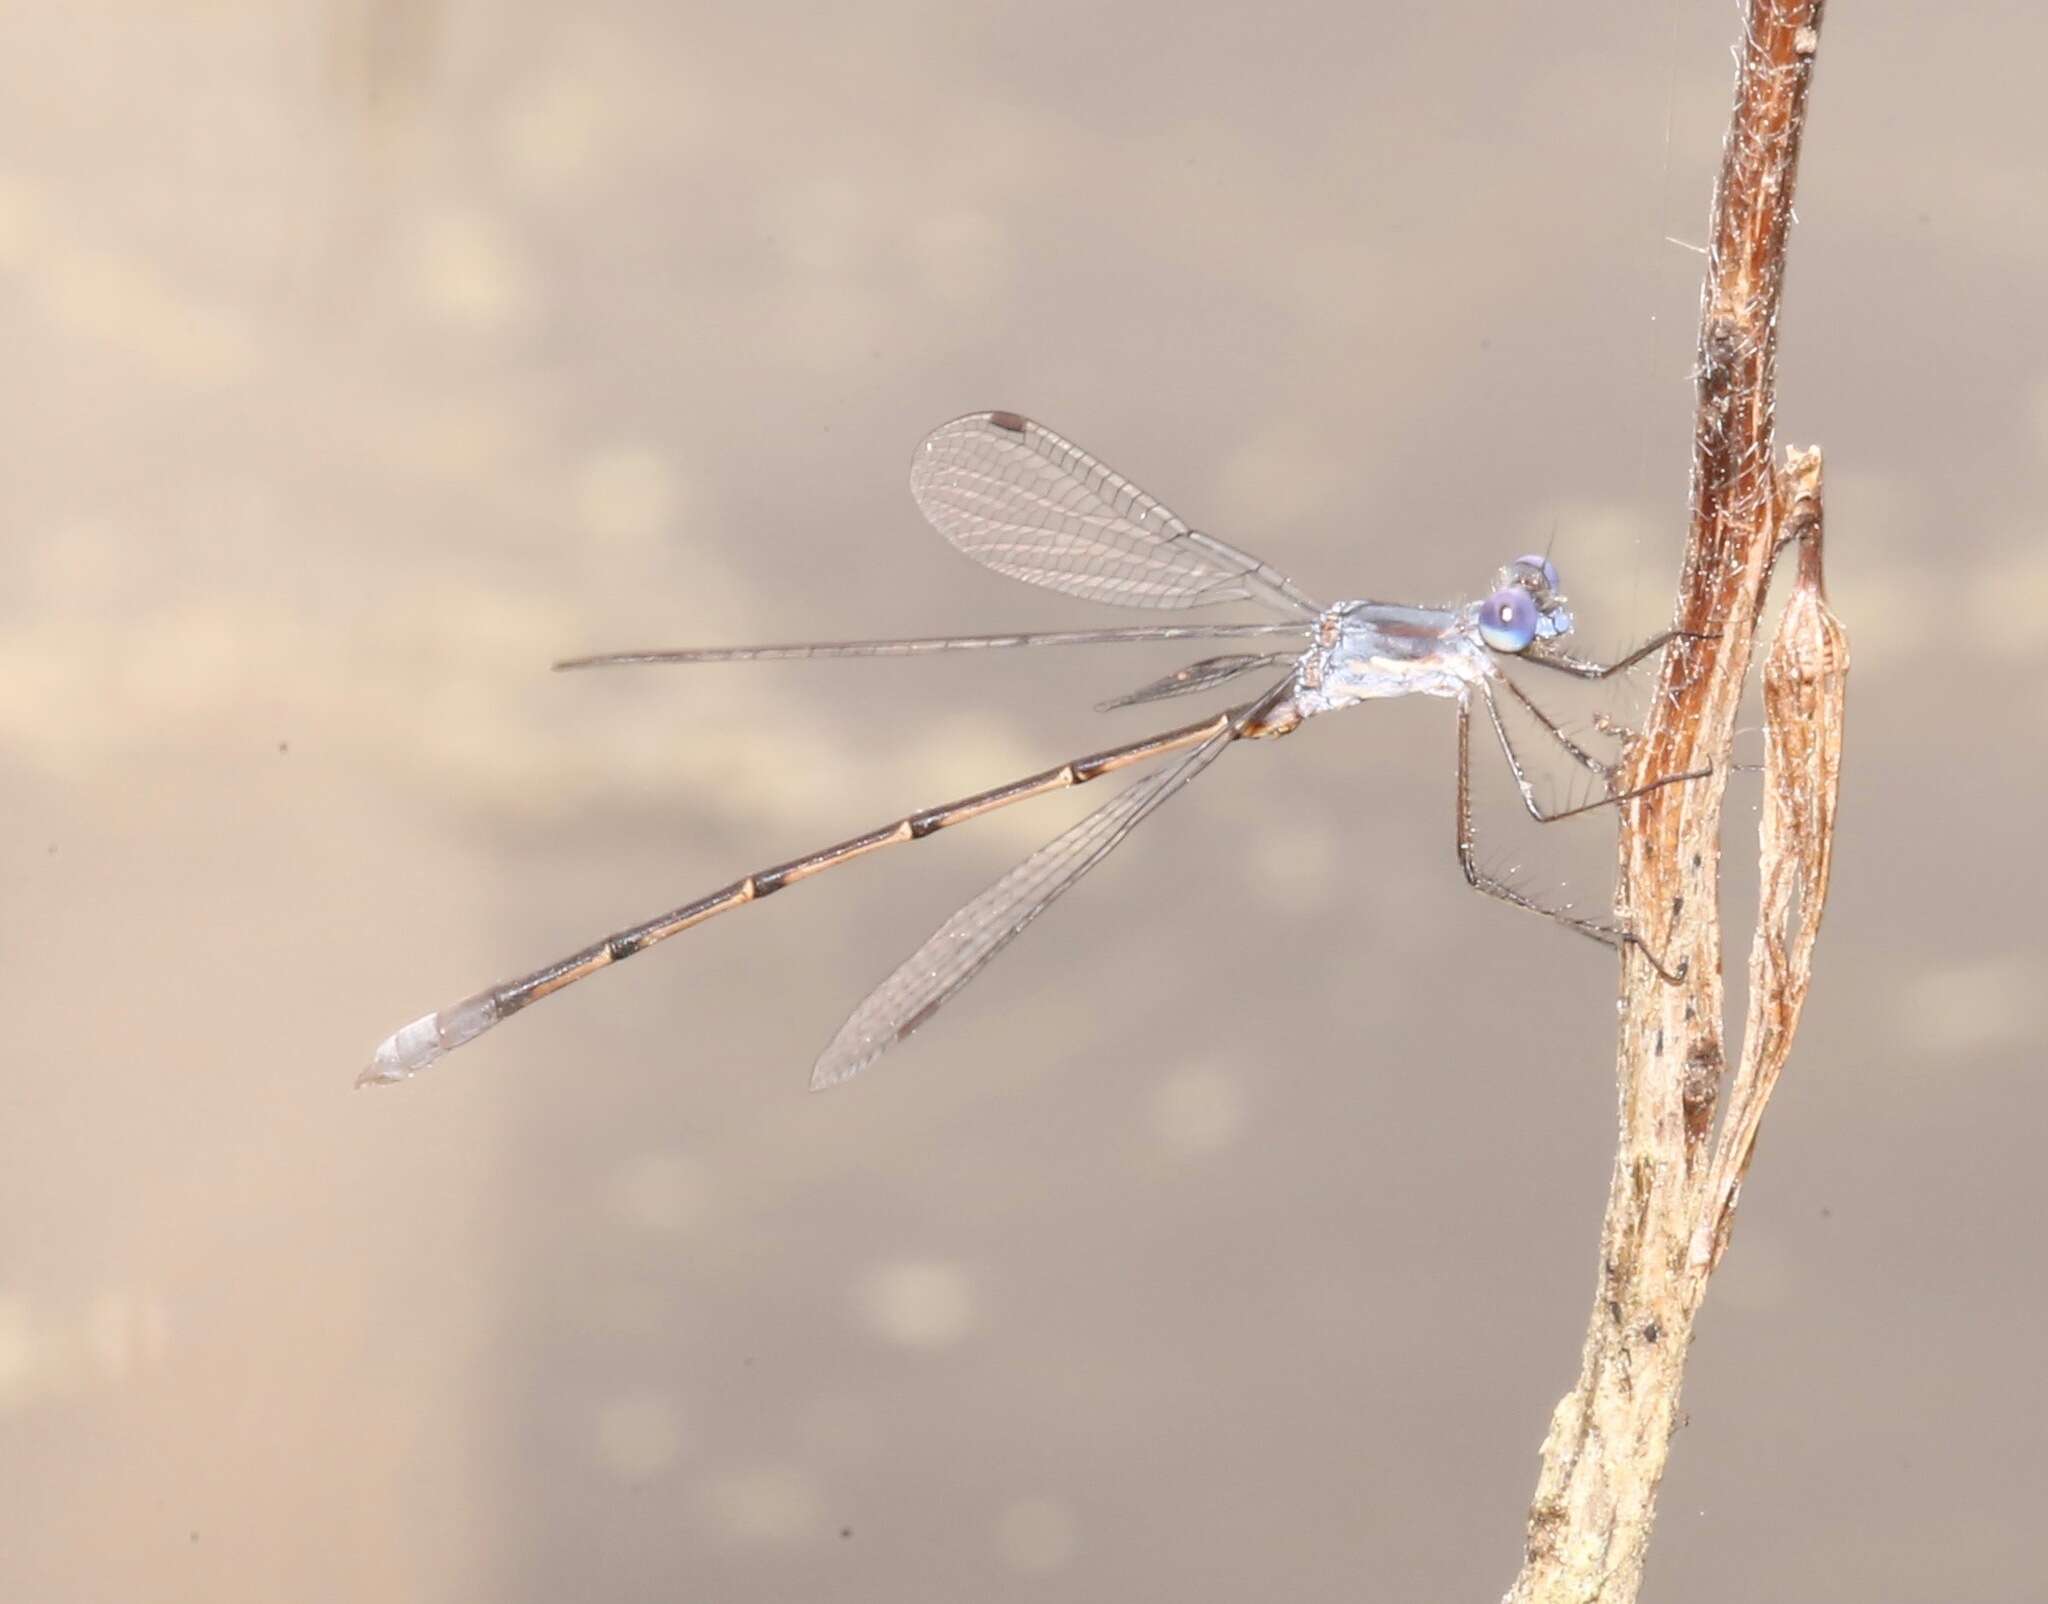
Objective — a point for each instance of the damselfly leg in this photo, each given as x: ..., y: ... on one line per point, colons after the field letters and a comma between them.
x: 1493, y: 886
x: 1031, y: 505
x: 1547, y: 656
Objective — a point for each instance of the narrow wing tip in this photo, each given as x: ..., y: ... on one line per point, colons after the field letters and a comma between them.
x: 840, y: 1062
x: 827, y: 1073
x: 858, y: 1044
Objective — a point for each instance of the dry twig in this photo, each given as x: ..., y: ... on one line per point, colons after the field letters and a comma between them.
x: 1672, y: 1200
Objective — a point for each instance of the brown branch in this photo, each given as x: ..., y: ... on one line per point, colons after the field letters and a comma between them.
x: 1805, y: 674
x: 1672, y: 1199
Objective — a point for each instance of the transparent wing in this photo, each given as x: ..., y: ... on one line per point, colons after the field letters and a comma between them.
x: 1193, y: 680
x: 1029, y: 503
x: 963, y: 945
x: 928, y: 644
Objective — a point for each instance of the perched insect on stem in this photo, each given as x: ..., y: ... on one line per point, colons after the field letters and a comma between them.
x: 1024, y: 501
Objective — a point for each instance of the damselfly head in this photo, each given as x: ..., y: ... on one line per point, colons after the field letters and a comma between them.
x: 1527, y: 606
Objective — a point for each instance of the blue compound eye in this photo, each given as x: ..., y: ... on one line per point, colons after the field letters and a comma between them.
x: 1507, y: 619
x: 1542, y: 565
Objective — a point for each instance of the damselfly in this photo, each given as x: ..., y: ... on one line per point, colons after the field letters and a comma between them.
x: 1019, y: 498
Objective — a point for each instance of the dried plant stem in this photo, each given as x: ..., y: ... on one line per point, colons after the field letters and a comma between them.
x: 1672, y: 1199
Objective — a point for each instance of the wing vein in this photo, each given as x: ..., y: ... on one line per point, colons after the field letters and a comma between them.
x: 964, y: 945
x: 1027, y: 502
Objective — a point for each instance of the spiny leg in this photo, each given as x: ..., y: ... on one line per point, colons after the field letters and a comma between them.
x: 1479, y: 880
x: 1528, y: 791
x: 1550, y: 725
x: 1581, y: 668
x: 1565, y: 663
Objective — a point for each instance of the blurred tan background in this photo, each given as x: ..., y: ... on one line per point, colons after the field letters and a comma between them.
x: 1230, y: 1240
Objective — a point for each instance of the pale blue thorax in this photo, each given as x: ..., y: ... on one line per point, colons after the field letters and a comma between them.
x: 1368, y: 650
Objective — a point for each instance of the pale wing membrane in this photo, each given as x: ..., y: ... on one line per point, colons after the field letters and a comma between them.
x: 1028, y: 503
x: 965, y: 943
x: 1196, y: 678
x: 923, y: 647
